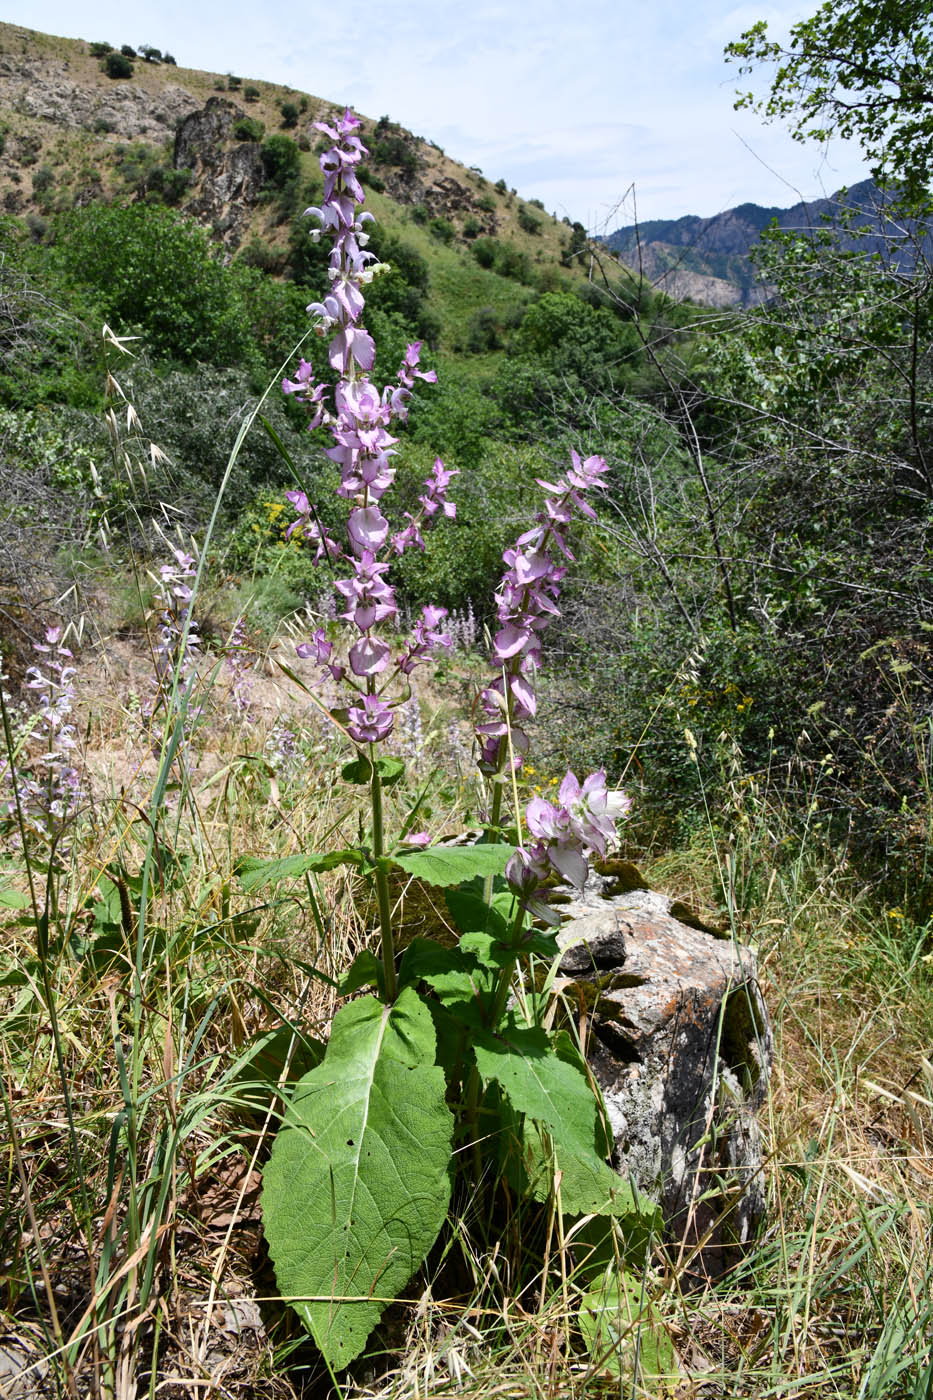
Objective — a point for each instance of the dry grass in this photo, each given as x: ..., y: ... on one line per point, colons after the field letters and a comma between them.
x: 131, y: 1254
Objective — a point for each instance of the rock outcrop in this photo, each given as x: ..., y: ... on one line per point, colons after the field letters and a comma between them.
x: 43, y: 90
x: 227, y: 178
x: 680, y: 1044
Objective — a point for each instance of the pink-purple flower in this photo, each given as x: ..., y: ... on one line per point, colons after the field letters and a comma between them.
x: 358, y: 421
x: 526, y: 602
x: 568, y: 832
x: 370, y: 721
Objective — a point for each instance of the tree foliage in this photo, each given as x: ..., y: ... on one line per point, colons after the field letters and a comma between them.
x: 858, y: 70
x: 153, y: 270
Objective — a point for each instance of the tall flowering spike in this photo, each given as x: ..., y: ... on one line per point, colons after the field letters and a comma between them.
x: 362, y: 446
x: 47, y: 784
x: 526, y: 603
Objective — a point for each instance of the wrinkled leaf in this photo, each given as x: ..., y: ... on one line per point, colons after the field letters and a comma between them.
x: 545, y: 1084
x: 472, y: 914
x: 450, y: 865
x: 357, y: 1186
x: 459, y: 983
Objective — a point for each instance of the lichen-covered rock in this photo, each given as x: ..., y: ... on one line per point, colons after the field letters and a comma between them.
x: 680, y: 1044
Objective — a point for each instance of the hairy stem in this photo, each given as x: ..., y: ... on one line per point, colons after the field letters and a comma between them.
x: 382, y: 888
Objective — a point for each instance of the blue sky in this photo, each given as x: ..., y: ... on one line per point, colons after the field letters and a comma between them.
x: 577, y: 105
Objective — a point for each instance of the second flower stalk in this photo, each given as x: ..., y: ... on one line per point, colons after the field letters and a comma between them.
x: 357, y: 417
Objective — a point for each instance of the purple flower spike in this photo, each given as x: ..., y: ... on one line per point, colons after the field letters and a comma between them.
x: 527, y: 602
x: 362, y: 446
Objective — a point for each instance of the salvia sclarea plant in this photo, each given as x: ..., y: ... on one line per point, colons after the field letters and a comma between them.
x: 45, y: 782
x: 176, y: 640
x: 446, y: 1065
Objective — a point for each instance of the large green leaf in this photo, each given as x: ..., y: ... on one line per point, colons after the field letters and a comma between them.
x: 253, y: 872
x: 545, y: 1083
x: 450, y: 865
x: 459, y: 981
x: 357, y: 1186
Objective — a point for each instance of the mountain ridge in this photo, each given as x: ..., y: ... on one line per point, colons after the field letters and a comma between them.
x: 715, y: 254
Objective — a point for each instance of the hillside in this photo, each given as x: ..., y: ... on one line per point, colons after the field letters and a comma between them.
x: 72, y: 135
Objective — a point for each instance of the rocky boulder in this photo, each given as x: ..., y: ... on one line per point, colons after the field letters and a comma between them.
x: 679, y: 1040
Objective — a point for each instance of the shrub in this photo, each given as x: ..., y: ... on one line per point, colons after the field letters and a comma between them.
x: 99, y: 48
x: 195, y: 418
x: 144, y: 171
x: 289, y: 113
x: 167, y: 58
x: 472, y: 227
x: 514, y: 263
x: 128, y: 51
x: 483, y: 331
x: 258, y: 253
x: 152, y: 269
x: 503, y: 258
x: 369, y: 179
x: 150, y: 54
x: 442, y: 229
x: 171, y: 183
x: 487, y: 204
x: 250, y: 93
x: 393, y: 149
x: 117, y: 65
x: 43, y: 179
x: 527, y: 221
x: 233, y: 82
x: 502, y: 187
x: 281, y: 160
x: 248, y: 129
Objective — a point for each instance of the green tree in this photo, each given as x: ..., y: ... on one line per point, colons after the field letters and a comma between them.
x: 117, y: 65
x: 154, y: 270
x: 862, y: 69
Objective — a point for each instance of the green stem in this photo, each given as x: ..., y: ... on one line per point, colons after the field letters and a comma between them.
x: 504, y: 984
x: 382, y: 888
x: 471, y: 1123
